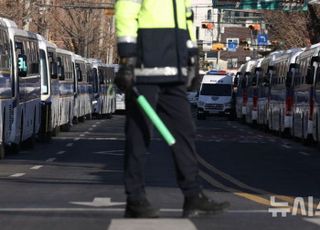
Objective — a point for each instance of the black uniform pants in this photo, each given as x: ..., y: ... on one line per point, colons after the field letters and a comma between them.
x: 172, y: 106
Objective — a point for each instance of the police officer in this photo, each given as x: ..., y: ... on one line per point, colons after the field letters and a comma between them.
x: 156, y: 46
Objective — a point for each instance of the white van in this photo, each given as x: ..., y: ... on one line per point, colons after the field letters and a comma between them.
x: 215, y: 93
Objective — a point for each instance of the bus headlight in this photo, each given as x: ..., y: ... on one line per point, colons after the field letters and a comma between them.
x: 201, y: 103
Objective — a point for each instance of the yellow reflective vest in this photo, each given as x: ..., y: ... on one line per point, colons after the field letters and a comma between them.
x: 159, y: 33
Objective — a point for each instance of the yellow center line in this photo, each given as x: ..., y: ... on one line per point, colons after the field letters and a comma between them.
x: 256, y: 198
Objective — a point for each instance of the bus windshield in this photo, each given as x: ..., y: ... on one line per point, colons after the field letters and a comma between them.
x: 216, y: 90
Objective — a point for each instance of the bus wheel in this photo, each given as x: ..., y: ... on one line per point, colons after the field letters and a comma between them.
x: 81, y: 119
x: 201, y: 116
x: 286, y: 133
x: 2, y: 151
x: 14, y: 148
x: 109, y: 116
x: 55, y: 131
x: 29, y: 143
x: 65, y: 127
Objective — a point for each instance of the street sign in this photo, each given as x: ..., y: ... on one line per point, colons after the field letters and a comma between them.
x: 232, y: 44
x: 262, y: 39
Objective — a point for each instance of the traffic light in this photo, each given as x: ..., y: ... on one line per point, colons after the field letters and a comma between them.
x: 207, y: 25
x: 255, y: 27
x: 109, y: 12
x: 218, y: 46
x: 22, y: 64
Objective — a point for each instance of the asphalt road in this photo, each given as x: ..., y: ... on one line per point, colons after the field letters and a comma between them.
x: 75, y: 181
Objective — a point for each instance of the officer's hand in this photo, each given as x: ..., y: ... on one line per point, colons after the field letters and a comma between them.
x: 125, y: 76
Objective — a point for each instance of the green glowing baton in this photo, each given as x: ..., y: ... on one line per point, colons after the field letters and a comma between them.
x: 154, y: 118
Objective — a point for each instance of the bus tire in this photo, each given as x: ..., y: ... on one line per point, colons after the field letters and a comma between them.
x: 2, y: 151
x: 81, y: 119
x: 109, y: 116
x: 55, y: 131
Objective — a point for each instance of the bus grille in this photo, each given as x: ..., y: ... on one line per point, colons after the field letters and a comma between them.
x: 214, y: 107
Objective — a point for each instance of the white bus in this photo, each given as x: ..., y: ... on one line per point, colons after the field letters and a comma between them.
x: 82, y: 106
x: 25, y: 88
x: 242, y: 78
x: 49, y: 89
x: 265, y: 88
x: 111, y: 89
x: 306, y: 90
x: 281, y: 106
x: 67, y: 86
x: 7, y: 85
x: 254, y: 93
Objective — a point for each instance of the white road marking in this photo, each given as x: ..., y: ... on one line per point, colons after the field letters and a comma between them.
x: 99, y: 202
x: 86, y: 132
x: 61, y: 152
x: 69, y: 145
x: 94, y: 126
x: 286, y: 146
x: 18, y: 175
x: 82, y: 135
x: 51, y: 159
x: 313, y: 220
x: 151, y: 224
x: 77, y: 139
x: 36, y: 167
x: 304, y: 153
x: 170, y: 210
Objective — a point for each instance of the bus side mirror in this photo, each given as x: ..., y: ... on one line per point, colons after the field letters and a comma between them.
x: 54, y: 70
x: 310, y: 75
x: 22, y: 65
x: 61, y: 73
x: 289, y: 79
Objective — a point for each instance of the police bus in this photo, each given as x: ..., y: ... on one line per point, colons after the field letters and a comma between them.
x: 22, y: 123
x: 267, y: 76
x: 67, y: 88
x: 82, y: 105
x: 111, y: 89
x: 306, y: 115
x: 49, y: 89
x: 242, y: 78
x: 282, y: 91
x: 7, y: 84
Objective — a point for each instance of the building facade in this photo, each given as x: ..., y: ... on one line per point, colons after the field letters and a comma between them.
x: 224, y: 35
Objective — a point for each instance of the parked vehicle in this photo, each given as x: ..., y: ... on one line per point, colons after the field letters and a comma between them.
x: 49, y: 89
x: 215, y: 94
x: 242, y: 78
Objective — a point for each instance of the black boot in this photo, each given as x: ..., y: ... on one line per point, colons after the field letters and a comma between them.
x: 201, y: 205
x: 140, y: 209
